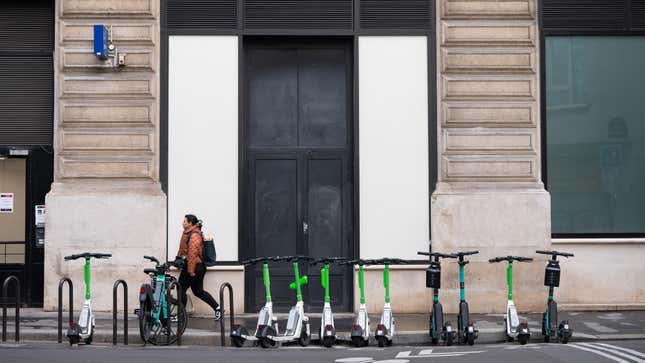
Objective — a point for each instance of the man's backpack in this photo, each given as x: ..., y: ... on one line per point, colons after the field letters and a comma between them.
x: 209, y: 255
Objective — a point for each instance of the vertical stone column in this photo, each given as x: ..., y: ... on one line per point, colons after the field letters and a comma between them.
x: 106, y: 195
x: 489, y: 194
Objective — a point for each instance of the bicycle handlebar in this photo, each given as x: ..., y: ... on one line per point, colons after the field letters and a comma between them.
x: 510, y: 259
x: 554, y: 253
x: 86, y: 255
x: 152, y: 259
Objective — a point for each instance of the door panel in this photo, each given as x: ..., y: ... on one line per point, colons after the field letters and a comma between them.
x: 322, y: 95
x: 272, y: 97
x: 276, y: 216
x: 299, y: 174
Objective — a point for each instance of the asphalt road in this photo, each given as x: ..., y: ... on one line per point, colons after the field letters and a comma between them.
x: 601, y: 351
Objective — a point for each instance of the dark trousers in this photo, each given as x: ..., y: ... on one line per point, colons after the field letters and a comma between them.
x: 196, y: 283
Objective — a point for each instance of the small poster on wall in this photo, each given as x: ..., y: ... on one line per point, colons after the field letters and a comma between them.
x: 6, y: 202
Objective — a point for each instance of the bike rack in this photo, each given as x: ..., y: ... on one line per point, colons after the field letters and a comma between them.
x: 115, y: 291
x: 70, y: 288
x: 228, y: 286
x: 5, y: 287
x: 180, y: 303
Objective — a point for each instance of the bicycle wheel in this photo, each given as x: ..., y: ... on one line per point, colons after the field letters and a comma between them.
x: 145, y: 321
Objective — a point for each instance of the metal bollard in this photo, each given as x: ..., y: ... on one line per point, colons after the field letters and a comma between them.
x: 5, y: 287
x: 228, y: 286
x: 70, y: 288
x: 125, y: 311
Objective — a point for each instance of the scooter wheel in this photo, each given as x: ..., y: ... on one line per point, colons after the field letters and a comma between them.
x: 510, y: 339
x: 328, y: 341
x: 523, y: 339
x: 266, y: 343
x: 238, y: 342
x: 305, y: 339
x: 380, y: 341
x: 471, y: 339
x: 449, y: 340
x: 435, y: 341
x: 388, y: 342
x: 547, y: 339
x: 358, y: 342
x: 565, y: 339
x: 73, y: 340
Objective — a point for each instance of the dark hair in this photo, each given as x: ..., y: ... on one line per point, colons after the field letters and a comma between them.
x: 192, y: 219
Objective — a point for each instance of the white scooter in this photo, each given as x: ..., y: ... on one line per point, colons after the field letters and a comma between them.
x: 327, y: 328
x: 385, y: 330
x: 84, y: 330
x: 267, y: 323
x: 298, y: 323
x: 361, y: 330
x: 514, y: 329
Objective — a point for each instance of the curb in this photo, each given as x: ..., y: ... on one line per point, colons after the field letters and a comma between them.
x: 211, y: 338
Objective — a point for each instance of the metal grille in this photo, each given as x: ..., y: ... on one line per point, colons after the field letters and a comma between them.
x: 638, y: 14
x: 298, y: 14
x: 395, y: 14
x: 584, y: 14
x: 202, y: 14
x: 26, y: 100
x: 26, y: 25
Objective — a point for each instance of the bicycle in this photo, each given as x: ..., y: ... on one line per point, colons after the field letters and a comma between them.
x: 159, y: 307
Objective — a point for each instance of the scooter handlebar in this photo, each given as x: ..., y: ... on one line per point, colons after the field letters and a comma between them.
x: 510, y: 258
x: 465, y: 253
x: 87, y: 254
x: 325, y: 260
x: 554, y: 253
x: 359, y: 262
x: 151, y: 259
x: 437, y: 254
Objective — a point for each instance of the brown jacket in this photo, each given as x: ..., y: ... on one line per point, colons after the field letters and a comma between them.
x: 192, y: 249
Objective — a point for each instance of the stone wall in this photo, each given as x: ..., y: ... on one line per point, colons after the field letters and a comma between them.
x: 106, y: 195
x: 489, y: 194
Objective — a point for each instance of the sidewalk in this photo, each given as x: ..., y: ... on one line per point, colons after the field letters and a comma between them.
x: 37, y: 325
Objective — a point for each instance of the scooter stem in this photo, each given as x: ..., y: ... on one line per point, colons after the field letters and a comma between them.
x: 297, y: 281
x: 87, y: 276
x: 324, y: 281
x: 267, y: 281
x: 386, y: 282
x: 551, y: 293
x: 462, y: 291
x: 509, y: 279
x: 361, y: 283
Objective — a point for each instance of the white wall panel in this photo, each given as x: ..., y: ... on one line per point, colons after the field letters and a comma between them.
x: 393, y: 146
x: 203, y: 138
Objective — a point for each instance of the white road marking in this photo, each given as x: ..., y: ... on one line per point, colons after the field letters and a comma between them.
x: 599, y: 328
x: 355, y: 360
x: 427, y: 353
x: 634, y: 352
x: 612, y: 316
x: 583, y: 335
x: 615, y: 359
x: 614, y: 351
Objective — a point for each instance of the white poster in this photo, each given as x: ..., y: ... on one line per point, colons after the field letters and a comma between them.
x: 40, y: 215
x: 6, y: 202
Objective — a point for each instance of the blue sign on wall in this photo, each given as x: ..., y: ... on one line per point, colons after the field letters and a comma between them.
x: 101, y: 41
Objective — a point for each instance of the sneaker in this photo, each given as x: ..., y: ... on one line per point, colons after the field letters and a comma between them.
x: 218, y: 314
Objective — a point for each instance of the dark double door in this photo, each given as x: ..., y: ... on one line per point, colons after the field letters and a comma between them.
x: 299, y: 166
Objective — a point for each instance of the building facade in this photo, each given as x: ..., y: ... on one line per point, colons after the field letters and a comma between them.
x: 354, y: 128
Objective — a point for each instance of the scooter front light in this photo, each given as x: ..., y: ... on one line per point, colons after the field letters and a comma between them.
x: 566, y: 326
x: 329, y: 327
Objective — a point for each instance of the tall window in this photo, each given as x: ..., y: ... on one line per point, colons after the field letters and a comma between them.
x: 595, y: 134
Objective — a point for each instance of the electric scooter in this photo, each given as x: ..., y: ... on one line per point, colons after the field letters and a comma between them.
x: 550, y: 317
x: 385, y: 330
x: 298, y: 323
x: 466, y: 329
x: 267, y: 323
x: 514, y: 329
x: 360, y: 335
x: 85, y: 328
x: 327, y: 328
x: 438, y: 329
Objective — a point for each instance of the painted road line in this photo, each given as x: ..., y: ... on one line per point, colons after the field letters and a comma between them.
x: 427, y: 353
x: 615, y: 359
x: 598, y: 327
x: 583, y: 335
x: 634, y: 352
x: 355, y: 360
x: 614, y: 351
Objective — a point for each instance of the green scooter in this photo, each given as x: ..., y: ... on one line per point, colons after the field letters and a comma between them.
x: 385, y: 330
x: 361, y: 330
x: 550, y: 317
x: 514, y: 329
x: 327, y: 328
x: 267, y: 323
x: 85, y: 327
